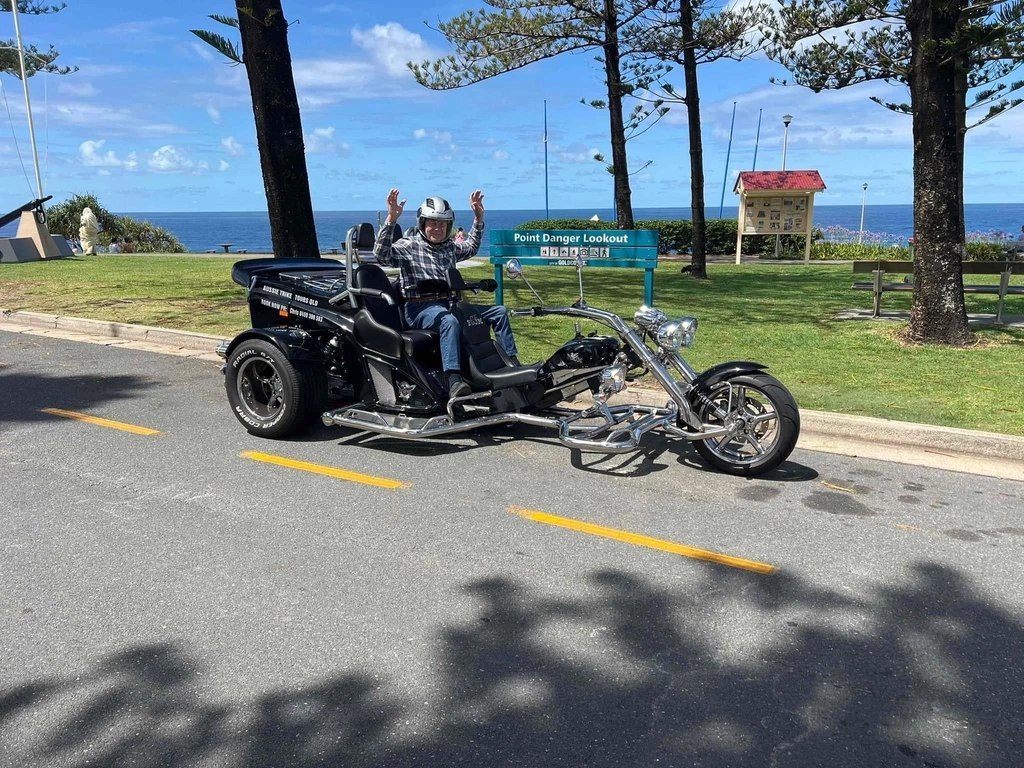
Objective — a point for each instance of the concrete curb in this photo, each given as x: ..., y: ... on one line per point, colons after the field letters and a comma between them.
x: 151, y: 334
x: 849, y: 434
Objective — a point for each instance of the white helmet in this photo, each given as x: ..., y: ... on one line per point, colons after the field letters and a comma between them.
x: 438, y: 209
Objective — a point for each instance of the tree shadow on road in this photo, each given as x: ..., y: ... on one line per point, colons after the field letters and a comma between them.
x: 926, y: 672
x: 25, y: 393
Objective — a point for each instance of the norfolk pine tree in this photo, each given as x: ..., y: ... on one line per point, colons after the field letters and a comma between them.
x: 690, y: 33
x: 954, y: 56
x: 522, y: 32
x: 275, y: 106
x: 35, y: 60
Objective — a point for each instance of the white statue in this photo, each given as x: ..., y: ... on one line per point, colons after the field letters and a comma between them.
x: 88, y: 231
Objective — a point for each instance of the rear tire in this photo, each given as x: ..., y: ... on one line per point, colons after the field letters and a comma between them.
x: 769, y: 421
x: 270, y: 396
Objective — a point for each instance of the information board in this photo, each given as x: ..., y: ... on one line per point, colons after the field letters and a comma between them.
x: 775, y: 215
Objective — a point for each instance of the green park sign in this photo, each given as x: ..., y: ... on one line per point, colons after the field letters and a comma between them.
x: 622, y: 249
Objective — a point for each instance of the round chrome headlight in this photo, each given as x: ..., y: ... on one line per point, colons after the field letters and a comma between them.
x: 649, y: 318
x: 676, y: 334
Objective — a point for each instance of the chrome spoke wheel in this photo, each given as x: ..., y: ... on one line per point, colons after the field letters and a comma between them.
x: 751, y: 417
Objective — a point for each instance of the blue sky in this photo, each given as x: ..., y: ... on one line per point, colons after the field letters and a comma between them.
x: 154, y: 120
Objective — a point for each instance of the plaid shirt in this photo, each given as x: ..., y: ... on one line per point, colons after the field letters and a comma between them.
x: 418, y: 259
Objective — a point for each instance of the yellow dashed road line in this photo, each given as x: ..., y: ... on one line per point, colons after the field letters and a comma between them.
x: 643, y: 541
x: 320, y: 469
x: 133, y: 428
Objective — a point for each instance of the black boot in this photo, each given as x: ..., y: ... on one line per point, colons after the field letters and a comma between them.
x: 456, y: 386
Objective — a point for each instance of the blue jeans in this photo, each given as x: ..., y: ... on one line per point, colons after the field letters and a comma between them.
x: 497, y: 318
x: 434, y: 316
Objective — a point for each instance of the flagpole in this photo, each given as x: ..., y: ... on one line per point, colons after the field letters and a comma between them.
x: 546, y: 213
x: 728, y: 152
x: 28, y: 104
x: 757, y: 139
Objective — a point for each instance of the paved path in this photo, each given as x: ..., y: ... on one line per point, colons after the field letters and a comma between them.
x: 168, y: 601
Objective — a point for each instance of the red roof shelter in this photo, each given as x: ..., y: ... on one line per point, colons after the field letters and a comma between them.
x: 776, y: 203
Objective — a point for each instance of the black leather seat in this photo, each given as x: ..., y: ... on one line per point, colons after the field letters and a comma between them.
x: 500, y: 378
x: 382, y: 326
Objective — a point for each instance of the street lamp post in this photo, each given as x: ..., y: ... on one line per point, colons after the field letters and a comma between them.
x: 547, y: 214
x: 863, y: 202
x: 28, y: 104
x: 786, y: 120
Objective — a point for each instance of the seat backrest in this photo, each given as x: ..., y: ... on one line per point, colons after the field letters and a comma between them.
x: 365, y: 237
x: 477, y: 345
x: 372, y: 276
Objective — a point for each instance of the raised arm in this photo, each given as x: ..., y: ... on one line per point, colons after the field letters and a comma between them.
x: 469, y: 248
x: 384, y: 249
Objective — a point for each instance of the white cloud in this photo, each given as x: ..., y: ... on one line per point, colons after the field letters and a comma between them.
x: 80, y: 89
x: 224, y: 165
x: 441, y: 137
x: 500, y: 155
x: 576, y: 154
x: 232, y: 147
x: 131, y: 163
x: 321, y: 142
x: 491, y: 142
x: 170, y: 159
x: 103, y: 172
x: 331, y: 74
x: 90, y: 154
x: 214, y: 114
x: 392, y: 45
x: 203, y: 51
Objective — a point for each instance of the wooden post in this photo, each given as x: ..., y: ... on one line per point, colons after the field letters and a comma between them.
x: 810, y: 227
x: 739, y: 225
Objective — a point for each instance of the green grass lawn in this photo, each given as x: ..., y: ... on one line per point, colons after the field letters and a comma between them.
x: 778, y: 315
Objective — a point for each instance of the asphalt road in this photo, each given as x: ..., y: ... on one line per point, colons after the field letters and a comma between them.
x: 166, y: 601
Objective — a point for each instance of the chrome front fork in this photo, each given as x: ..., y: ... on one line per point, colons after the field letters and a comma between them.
x: 676, y: 389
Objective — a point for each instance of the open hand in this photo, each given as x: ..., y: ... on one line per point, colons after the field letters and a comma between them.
x: 395, y: 207
x: 476, y: 202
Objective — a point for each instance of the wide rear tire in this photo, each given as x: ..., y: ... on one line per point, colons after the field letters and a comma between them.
x: 269, y: 395
x: 769, y: 421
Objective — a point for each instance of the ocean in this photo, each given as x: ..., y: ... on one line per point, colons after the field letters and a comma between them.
x: 204, y: 231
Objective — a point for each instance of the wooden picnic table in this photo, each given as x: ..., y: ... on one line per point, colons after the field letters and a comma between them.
x: 226, y: 246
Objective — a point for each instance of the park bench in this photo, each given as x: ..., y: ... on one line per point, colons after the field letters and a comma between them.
x: 879, y: 269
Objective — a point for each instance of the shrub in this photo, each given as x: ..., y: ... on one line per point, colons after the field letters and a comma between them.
x: 674, y: 235
x: 65, y: 219
x: 827, y: 250
x: 986, y: 251
x: 567, y: 224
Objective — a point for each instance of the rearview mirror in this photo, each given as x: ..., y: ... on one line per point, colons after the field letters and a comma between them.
x: 513, y: 269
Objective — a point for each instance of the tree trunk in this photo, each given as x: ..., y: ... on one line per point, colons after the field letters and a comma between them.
x: 697, y: 248
x: 961, y: 135
x: 620, y: 166
x: 938, y: 314
x: 268, y: 64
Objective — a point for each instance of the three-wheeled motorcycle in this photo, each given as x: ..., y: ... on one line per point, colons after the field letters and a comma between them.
x: 329, y: 342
